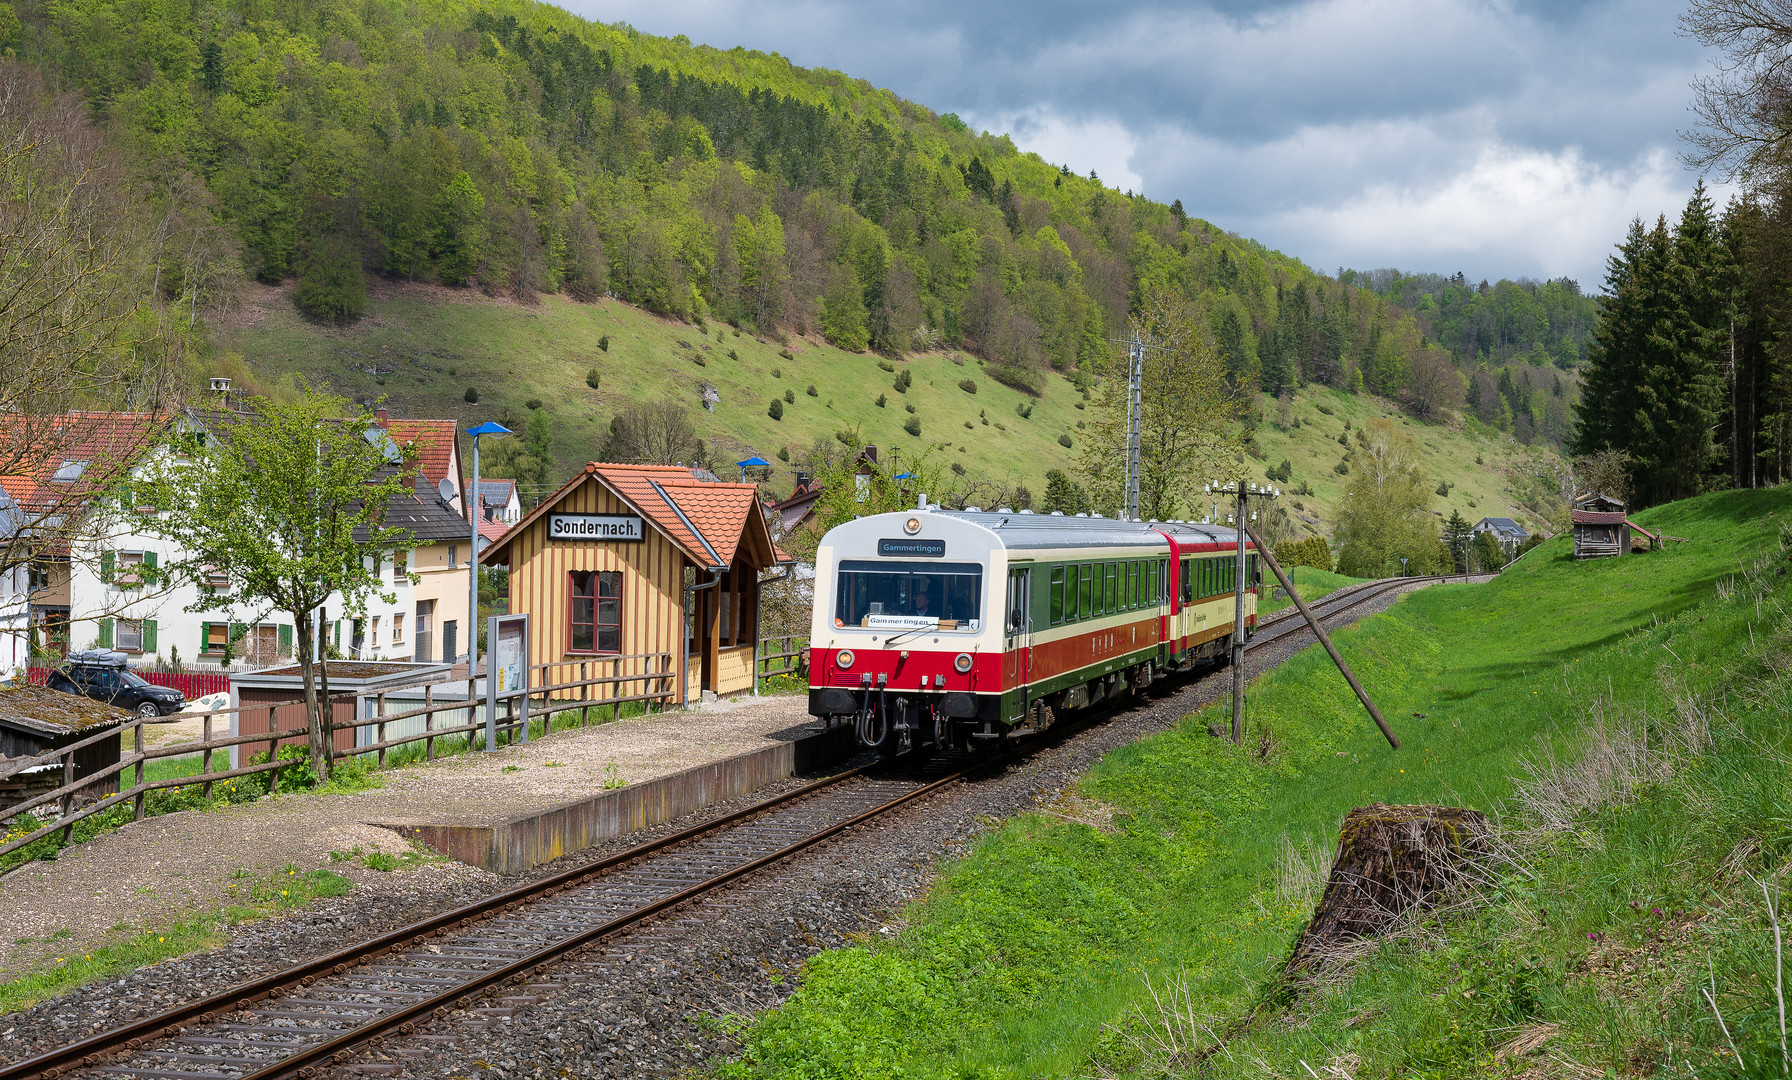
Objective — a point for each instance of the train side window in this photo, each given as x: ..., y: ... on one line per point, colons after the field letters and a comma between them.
x: 1086, y: 594
x: 1113, y: 590
x: 1057, y: 595
x: 1132, y: 585
x: 1070, y: 612
x: 1188, y: 580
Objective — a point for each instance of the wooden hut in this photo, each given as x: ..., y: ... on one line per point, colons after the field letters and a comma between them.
x: 633, y: 560
x: 1601, y: 530
x: 36, y: 720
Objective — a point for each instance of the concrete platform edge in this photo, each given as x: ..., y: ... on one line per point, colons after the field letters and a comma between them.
x: 512, y: 847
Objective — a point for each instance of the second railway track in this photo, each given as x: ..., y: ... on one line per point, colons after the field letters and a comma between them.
x: 305, y: 1019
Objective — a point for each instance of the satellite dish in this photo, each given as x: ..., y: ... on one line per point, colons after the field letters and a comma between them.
x: 446, y: 489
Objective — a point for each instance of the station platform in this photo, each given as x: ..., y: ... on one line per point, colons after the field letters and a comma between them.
x: 531, y: 803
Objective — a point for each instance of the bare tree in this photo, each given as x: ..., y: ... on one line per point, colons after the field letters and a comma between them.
x: 654, y: 433
x: 1746, y: 107
x: 1433, y: 387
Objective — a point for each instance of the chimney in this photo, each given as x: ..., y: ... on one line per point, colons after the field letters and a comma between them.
x: 380, y: 416
x: 802, y: 480
x: 871, y: 454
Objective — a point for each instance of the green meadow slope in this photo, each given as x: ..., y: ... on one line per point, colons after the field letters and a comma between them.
x: 422, y: 347
x: 1623, y: 720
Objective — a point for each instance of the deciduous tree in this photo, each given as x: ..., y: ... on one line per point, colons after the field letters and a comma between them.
x: 1385, y: 513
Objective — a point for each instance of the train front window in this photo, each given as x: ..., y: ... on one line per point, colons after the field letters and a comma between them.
x: 909, y: 595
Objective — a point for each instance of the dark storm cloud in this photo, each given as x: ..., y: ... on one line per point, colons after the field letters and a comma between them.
x: 1501, y: 138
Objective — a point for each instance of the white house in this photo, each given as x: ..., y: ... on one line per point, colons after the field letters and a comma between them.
x: 110, y: 601
x: 498, y: 501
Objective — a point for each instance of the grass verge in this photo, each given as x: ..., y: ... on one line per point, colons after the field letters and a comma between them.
x: 1035, y: 955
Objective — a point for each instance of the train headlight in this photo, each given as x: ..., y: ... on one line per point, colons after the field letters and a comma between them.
x: 844, y: 659
x: 912, y: 526
x: 962, y: 664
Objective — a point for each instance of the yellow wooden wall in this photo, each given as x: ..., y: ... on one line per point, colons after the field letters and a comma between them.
x: 652, y: 581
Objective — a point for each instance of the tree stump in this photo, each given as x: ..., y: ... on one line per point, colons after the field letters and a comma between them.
x: 1390, y: 861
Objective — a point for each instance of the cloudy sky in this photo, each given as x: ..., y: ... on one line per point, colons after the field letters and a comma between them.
x: 1495, y: 137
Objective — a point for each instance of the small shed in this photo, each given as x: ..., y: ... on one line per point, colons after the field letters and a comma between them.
x: 633, y: 562
x: 1601, y: 530
x: 364, y: 680
x: 36, y: 720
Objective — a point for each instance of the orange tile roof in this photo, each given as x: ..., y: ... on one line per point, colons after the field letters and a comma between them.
x: 492, y: 531
x: 103, y: 442
x: 434, y: 440
x: 707, y: 520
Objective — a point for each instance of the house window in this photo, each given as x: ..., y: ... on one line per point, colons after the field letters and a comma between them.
x: 453, y: 555
x: 398, y: 564
x: 215, y: 579
x: 398, y: 629
x: 130, y: 567
x: 128, y: 636
x: 373, y: 638
x: 217, y: 637
x: 38, y: 577
x: 594, y: 614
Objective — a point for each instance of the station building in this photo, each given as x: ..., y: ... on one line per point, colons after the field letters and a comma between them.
x: 629, y: 561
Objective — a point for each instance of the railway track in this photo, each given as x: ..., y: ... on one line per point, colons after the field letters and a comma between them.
x: 321, y: 1013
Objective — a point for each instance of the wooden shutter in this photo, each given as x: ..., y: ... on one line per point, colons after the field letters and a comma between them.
x: 237, y: 630
x: 285, y: 639
x: 149, y: 560
x: 108, y: 560
x: 105, y: 633
x: 149, y: 635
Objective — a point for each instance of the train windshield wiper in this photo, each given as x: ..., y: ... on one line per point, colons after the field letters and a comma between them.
x: 891, y: 640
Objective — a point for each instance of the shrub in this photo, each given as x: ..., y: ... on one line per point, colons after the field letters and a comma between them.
x: 1312, y: 551
x: 593, y: 379
x: 701, y: 362
x: 1342, y: 467
x: 969, y: 386
x: 1065, y: 442
x: 812, y: 392
x: 603, y: 343
x: 1343, y: 440
x: 904, y: 379
x: 913, y: 426
x: 472, y: 396
x: 785, y: 353
x: 1443, y: 488
x: 957, y: 468
x: 909, y: 405
x: 1079, y: 405
x: 532, y: 403
x: 776, y: 374
x: 1327, y: 410
x: 885, y: 364
x: 968, y: 426
x: 881, y: 399
x: 790, y: 397
x: 732, y: 355
x: 1022, y: 409
x: 331, y: 285
x: 783, y: 455
x: 1001, y: 426
x: 776, y: 412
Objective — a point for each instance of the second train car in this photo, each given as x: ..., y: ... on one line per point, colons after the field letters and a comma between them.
x: 955, y: 628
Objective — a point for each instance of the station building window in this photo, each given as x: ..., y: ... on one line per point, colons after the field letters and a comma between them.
x: 594, y: 615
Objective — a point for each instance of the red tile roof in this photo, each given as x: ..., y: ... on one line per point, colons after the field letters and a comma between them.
x: 98, y: 444
x: 434, y: 440
x: 492, y: 531
x: 707, y: 520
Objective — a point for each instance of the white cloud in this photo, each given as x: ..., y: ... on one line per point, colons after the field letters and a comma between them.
x: 1099, y: 143
x: 1510, y: 210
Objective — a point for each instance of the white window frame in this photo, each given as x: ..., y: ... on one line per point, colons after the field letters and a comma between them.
x: 120, y: 627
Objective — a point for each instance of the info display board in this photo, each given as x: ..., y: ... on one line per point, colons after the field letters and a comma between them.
x: 506, y: 671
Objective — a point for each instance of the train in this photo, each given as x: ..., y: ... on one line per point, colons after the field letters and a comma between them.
x: 958, y: 628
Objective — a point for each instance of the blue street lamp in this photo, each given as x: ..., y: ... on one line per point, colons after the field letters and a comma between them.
x: 487, y: 428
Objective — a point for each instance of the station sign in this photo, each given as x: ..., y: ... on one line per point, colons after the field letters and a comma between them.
x: 927, y: 549
x: 620, y: 527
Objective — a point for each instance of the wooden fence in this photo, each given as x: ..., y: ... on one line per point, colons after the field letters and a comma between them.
x: 791, y: 655
x: 556, y: 689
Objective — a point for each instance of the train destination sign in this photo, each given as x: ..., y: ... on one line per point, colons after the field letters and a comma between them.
x: 929, y: 549
x: 621, y: 527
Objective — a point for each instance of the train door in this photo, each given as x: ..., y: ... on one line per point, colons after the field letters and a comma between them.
x: 1017, y: 622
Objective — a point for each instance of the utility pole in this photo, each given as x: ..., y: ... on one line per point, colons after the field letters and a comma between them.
x: 1243, y: 490
x: 1135, y: 420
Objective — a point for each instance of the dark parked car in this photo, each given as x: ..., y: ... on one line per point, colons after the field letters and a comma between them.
x: 103, y: 676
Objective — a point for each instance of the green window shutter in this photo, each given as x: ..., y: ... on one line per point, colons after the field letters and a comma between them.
x: 237, y: 630
x: 107, y: 559
x: 205, y: 636
x: 149, y: 635
x: 285, y: 639
x: 336, y: 635
x: 105, y: 633
x: 149, y: 560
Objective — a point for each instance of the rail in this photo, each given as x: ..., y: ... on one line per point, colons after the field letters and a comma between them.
x: 75, y: 799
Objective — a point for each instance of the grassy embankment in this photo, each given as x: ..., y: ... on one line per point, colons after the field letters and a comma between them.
x: 423, y: 347
x: 1313, y: 583
x: 1030, y: 957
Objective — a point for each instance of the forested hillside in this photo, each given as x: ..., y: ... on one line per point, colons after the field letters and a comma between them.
x: 517, y: 148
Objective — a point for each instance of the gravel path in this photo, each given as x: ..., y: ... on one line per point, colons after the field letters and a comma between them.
x: 637, y: 1005
x: 153, y: 872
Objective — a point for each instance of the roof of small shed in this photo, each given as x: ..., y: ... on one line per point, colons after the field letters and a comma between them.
x: 43, y: 711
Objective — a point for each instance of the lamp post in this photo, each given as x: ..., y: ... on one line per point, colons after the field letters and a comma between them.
x: 487, y: 428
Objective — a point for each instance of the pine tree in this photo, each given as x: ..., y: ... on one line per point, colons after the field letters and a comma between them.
x: 1456, y: 538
